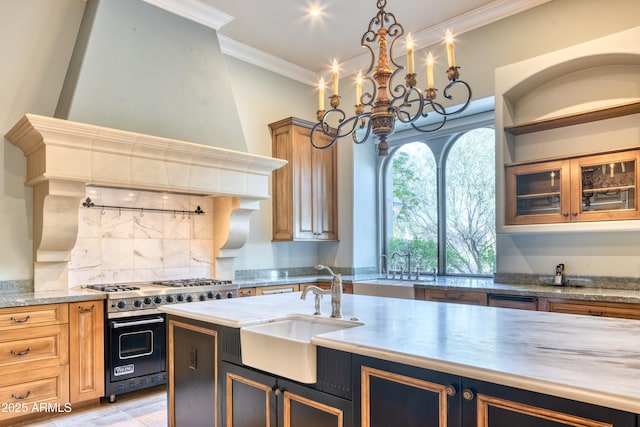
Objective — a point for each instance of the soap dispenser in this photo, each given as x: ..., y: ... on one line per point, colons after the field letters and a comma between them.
x: 558, y: 280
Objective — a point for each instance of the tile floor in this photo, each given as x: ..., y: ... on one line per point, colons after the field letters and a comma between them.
x: 146, y: 408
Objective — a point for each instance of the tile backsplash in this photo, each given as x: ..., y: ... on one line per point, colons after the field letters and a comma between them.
x: 123, y: 245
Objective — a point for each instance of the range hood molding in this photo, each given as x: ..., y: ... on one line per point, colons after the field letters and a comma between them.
x: 63, y: 157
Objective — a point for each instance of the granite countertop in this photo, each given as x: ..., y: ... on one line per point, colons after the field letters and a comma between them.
x: 21, y: 299
x: 480, y: 284
x: 593, y: 360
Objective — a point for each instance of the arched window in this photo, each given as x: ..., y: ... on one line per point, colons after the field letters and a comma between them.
x: 438, y: 204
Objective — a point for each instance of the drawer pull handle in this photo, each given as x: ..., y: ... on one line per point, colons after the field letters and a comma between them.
x: 24, y: 396
x: 21, y: 353
x: 86, y: 310
x: 596, y: 313
x: 16, y: 320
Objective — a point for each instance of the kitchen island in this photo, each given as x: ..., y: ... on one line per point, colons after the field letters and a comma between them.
x: 581, y: 367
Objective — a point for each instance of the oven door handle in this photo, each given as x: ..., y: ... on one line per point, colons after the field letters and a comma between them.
x: 116, y: 325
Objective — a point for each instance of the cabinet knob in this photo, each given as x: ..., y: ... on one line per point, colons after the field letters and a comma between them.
x: 277, y: 391
x: 575, y: 214
x: 451, y: 390
x: 468, y: 394
x: 565, y: 214
x: 86, y: 310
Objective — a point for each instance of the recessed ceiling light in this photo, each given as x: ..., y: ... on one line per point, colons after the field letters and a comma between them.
x: 315, y: 11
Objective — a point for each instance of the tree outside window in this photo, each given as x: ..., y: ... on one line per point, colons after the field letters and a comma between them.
x: 467, y: 184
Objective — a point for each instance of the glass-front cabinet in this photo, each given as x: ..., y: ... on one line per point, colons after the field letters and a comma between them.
x: 598, y: 187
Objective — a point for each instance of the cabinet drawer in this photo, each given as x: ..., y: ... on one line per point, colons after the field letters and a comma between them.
x: 278, y: 289
x: 591, y: 308
x: 21, y: 391
x: 33, y: 348
x: 35, y: 315
x: 460, y: 297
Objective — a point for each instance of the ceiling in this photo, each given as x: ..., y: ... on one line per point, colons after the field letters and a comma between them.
x: 280, y: 35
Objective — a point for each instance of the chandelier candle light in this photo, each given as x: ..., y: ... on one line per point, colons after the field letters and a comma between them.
x: 387, y: 101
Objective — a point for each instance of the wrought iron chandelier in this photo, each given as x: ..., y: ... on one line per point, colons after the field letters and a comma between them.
x: 387, y: 101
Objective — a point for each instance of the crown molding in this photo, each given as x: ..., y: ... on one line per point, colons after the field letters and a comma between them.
x: 195, y: 10
x: 265, y: 60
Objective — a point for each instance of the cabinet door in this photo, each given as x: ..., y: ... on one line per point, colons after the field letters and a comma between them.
x: 255, y: 399
x: 86, y: 350
x: 193, y: 375
x: 248, y: 397
x: 538, y: 193
x: 326, y: 193
x: 304, y: 192
x: 604, y: 187
x: 391, y: 394
x: 303, y: 406
x: 492, y: 405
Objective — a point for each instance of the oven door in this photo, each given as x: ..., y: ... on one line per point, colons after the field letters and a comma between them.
x: 136, y: 347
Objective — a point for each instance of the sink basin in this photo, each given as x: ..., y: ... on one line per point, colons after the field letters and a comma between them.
x: 283, y: 346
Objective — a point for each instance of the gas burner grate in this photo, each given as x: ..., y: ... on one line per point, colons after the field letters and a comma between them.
x: 188, y: 283
x: 113, y: 288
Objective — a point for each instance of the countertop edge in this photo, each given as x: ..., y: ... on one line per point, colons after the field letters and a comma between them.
x: 600, y: 398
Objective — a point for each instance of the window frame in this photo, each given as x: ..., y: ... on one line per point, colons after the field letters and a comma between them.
x: 440, y: 143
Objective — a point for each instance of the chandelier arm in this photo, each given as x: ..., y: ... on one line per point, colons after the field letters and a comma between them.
x: 446, y: 94
x: 319, y: 127
x: 395, y: 30
x: 403, y: 114
x: 364, y: 121
x: 439, y: 126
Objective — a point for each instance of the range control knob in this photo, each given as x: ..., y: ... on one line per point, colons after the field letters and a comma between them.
x: 202, y: 297
x: 190, y: 298
x: 218, y: 295
x: 229, y: 294
x: 137, y: 303
x: 122, y: 304
x: 170, y: 298
x: 158, y: 299
x: 180, y: 297
x: 148, y: 300
x: 211, y: 295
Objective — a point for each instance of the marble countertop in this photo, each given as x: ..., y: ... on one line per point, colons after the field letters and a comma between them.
x: 593, y: 360
x: 20, y: 299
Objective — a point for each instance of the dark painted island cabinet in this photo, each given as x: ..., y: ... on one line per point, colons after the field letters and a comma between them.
x: 392, y: 394
x: 252, y: 399
x: 209, y: 386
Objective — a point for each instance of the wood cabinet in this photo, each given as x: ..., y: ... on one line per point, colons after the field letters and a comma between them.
x: 86, y: 350
x: 34, y: 358
x: 277, y: 289
x: 347, y: 287
x: 305, y: 192
x: 598, y: 187
x: 590, y: 308
x: 253, y: 398
x: 459, y: 297
x: 393, y: 394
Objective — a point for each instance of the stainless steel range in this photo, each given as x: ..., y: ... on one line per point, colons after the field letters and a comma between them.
x: 135, y: 333
x: 134, y: 299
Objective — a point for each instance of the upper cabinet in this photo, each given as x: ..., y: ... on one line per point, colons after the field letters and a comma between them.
x: 567, y: 135
x: 587, y: 188
x: 305, y: 195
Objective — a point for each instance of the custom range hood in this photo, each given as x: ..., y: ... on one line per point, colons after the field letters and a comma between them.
x: 138, y: 71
